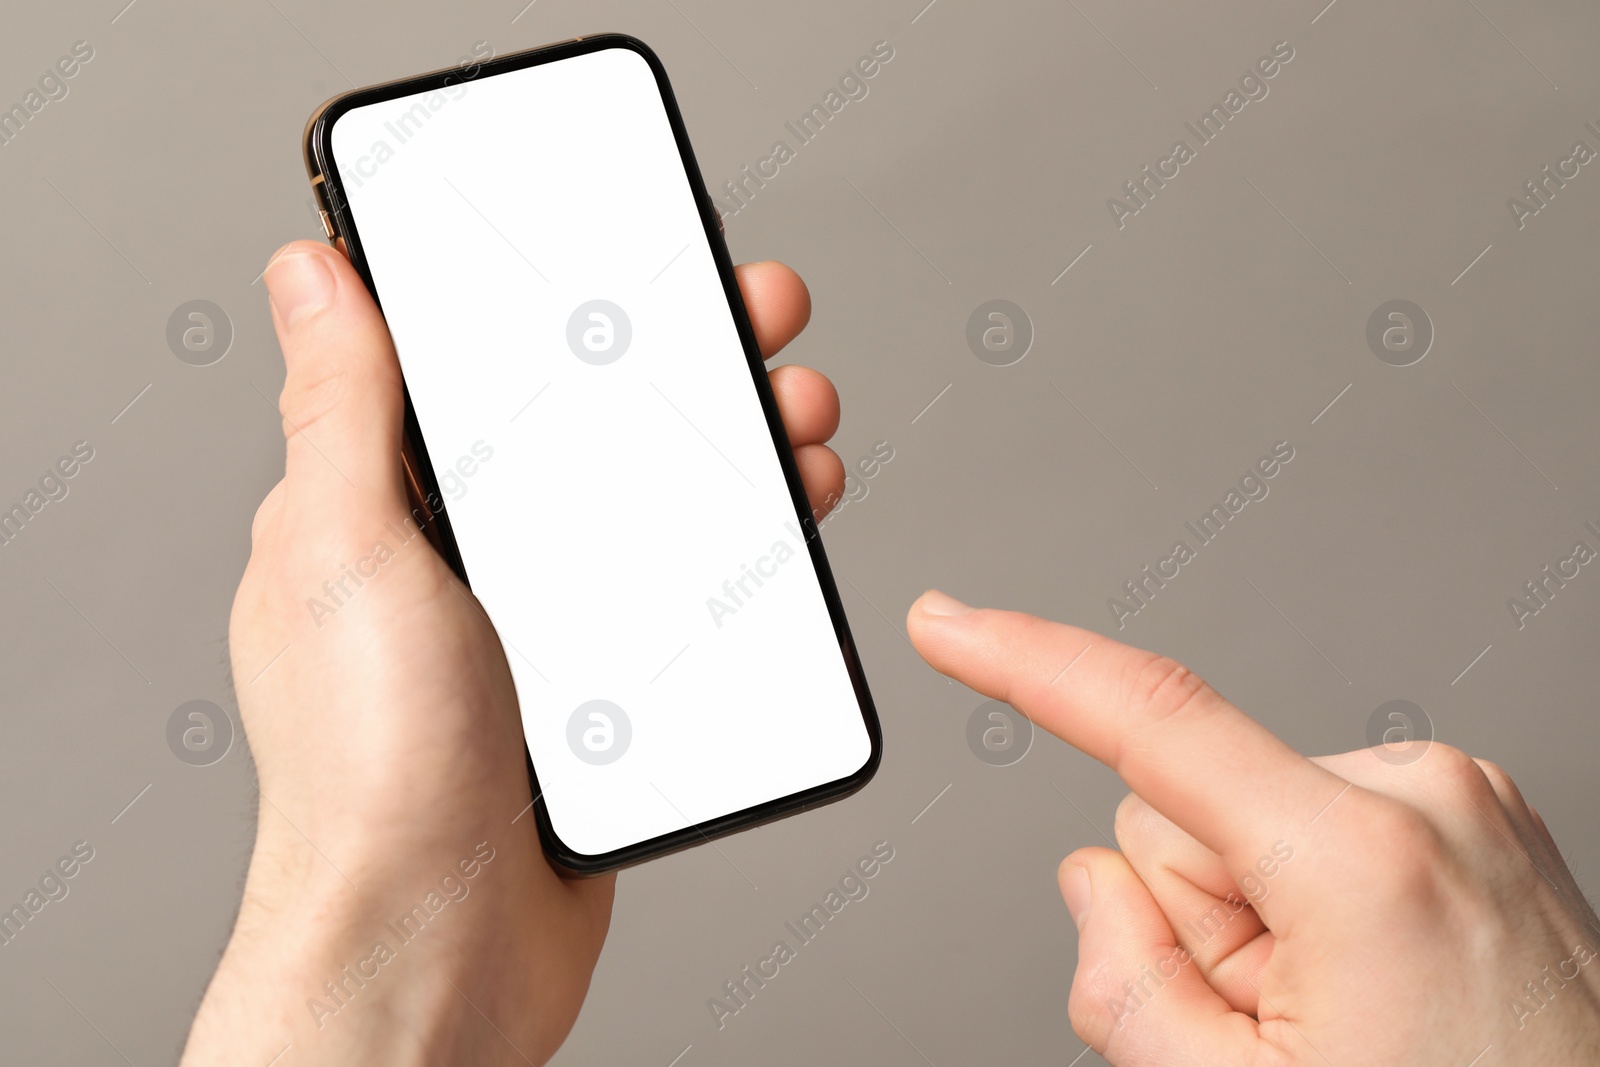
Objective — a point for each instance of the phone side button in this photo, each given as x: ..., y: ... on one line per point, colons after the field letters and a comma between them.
x: 327, y: 224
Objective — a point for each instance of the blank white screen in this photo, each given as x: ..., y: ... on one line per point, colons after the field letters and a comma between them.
x: 616, y: 500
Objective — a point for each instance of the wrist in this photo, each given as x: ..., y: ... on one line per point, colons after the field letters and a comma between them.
x: 360, y: 962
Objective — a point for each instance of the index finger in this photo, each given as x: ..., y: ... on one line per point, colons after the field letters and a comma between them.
x: 1174, y: 740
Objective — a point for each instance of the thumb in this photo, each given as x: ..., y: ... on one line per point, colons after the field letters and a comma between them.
x: 1137, y: 997
x: 342, y: 402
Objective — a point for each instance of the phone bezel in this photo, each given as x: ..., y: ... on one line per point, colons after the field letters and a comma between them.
x: 328, y: 185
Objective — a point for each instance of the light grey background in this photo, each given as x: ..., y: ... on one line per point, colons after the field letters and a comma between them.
x: 1223, y: 318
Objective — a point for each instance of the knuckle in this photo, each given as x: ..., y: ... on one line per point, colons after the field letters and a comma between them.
x: 1405, y: 857
x: 1132, y: 822
x: 1393, y: 825
x: 1161, y: 688
x: 1494, y: 772
x: 1500, y: 781
x: 310, y: 392
x: 1450, y: 763
x: 1459, y: 778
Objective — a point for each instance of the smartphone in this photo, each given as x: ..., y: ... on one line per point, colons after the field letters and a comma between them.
x: 591, y: 432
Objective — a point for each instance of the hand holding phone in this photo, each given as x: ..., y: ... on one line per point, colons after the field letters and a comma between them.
x: 386, y: 735
x: 574, y: 343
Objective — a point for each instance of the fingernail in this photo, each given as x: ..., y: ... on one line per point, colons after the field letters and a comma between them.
x: 300, y: 284
x: 1075, y: 891
x: 937, y: 603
